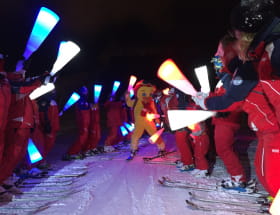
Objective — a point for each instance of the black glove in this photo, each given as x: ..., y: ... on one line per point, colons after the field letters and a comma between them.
x: 47, y: 128
x: 222, y: 114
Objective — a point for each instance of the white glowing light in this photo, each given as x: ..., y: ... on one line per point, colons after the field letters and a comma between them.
x: 202, y: 76
x: 170, y: 73
x: 219, y: 84
x: 67, y: 50
x: 132, y: 81
x: 184, y: 118
x: 43, y: 89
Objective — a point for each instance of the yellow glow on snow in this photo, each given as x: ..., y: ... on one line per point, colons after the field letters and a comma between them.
x: 155, y: 136
x: 170, y: 73
x: 202, y: 76
x: 184, y: 118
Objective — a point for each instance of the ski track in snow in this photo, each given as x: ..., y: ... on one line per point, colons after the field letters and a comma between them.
x: 120, y: 187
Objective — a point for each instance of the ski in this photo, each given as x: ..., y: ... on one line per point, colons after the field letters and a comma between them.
x: 43, y: 184
x: 64, y: 175
x: 146, y: 159
x: 244, y: 202
x: 162, y: 161
x: 44, y: 198
x: 181, y: 184
x: 25, y: 208
x: 49, y: 191
x: 213, y: 208
x: 42, y: 181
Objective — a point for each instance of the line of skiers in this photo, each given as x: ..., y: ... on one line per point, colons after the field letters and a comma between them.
x: 22, y: 120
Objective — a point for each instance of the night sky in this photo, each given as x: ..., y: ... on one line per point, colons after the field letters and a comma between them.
x: 117, y: 38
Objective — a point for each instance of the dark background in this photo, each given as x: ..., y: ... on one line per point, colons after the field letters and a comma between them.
x: 117, y: 38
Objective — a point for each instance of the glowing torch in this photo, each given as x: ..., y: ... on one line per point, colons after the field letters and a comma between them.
x: 165, y: 91
x: 67, y: 50
x: 72, y: 100
x: 116, y: 86
x: 152, y: 139
x: 170, y: 73
x: 43, y: 89
x: 129, y: 127
x: 152, y: 116
x: 132, y: 81
x: 44, y: 23
x: 184, y: 118
x: 97, y: 91
x: 33, y: 152
x: 275, y: 206
x: 123, y: 131
x: 202, y: 76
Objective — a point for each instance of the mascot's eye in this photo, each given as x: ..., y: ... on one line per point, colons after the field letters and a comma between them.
x: 143, y: 94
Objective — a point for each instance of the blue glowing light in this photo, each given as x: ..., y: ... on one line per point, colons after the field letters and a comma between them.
x: 129, y: 127
x: 72, y: 100
x: 44, y: 23
x: 115, y: 87
x: 131, y: 93
x: 124, y: 131
x: 33, y: 152
x: 97, y: 92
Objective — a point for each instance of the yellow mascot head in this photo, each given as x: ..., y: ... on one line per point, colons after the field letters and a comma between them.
x: 144, y: 91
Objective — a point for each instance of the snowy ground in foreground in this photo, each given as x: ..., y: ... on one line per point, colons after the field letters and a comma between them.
x: 114, y: 186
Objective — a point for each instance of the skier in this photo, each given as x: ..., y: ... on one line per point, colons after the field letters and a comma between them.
x: 226, y: 124
x: 82, y: 108
x: 48, y: 124
x: 114, y: 119
x: 260, y: 35
x: 19, y: 125
x: 94, y: 131
x: 192, y: 143
x: 5, y: 100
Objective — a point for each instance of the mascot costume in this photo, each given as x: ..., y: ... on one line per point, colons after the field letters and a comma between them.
x: 142, y: 104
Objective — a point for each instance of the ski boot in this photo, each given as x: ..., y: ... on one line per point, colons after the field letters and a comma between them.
x: 199, y: 173
x: 132, y: 155
x: 5, y: 196
x: 179, y: 163
x: 162, y: 153
x: 234, y: 183
x: 186, y: 168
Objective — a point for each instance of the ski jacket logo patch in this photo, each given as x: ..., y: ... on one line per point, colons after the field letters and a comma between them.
x: 237, y: 81
x: 275, y: 151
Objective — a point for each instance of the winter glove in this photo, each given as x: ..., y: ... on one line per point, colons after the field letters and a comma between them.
x: 199, y: 99
x: 47, y: 128
x: 222, y: 114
